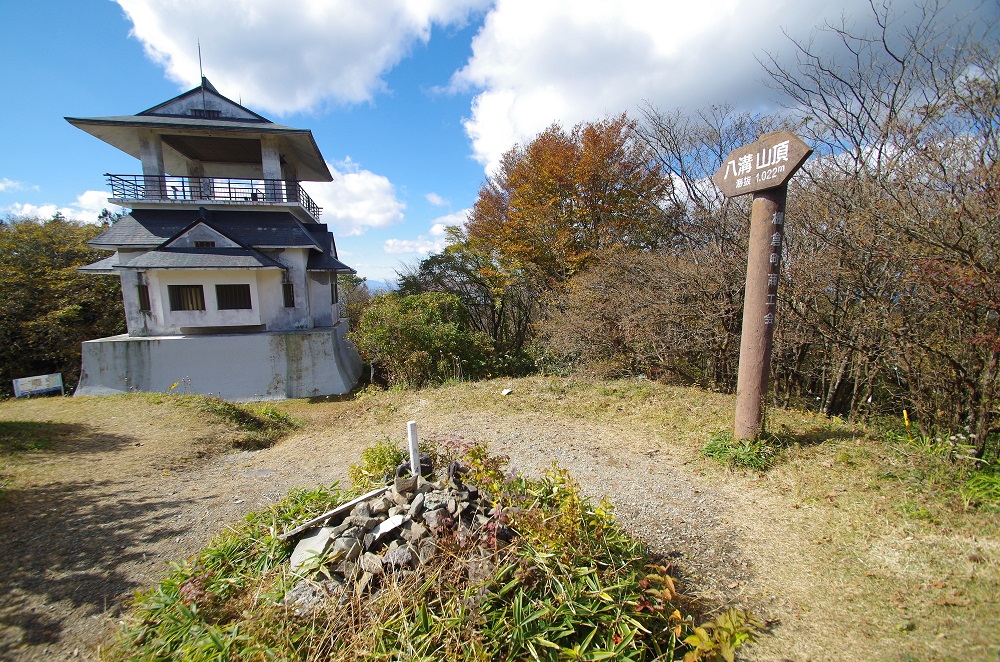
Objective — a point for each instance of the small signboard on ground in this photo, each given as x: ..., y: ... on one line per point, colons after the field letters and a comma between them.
x: 26, y: 386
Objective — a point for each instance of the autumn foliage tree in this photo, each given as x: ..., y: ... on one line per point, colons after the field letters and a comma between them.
x: 557, y: 201
x: 47, y: 308
x: 501, y: 296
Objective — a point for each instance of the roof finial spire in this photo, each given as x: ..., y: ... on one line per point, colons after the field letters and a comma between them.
x: 201, y: 73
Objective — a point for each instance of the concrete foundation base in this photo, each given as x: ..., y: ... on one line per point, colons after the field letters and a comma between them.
x: 253, y: 366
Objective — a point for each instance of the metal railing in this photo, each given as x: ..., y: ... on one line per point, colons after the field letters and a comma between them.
x: 213, y: 189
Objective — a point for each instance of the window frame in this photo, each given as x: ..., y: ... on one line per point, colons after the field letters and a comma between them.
x: 231, y: 298
x: 144, y: 303
x: 184, y: 297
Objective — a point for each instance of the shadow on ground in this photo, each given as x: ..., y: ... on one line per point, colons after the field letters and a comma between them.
x: 68, y: 549
x: 64, y: 438
x: 813, y: 437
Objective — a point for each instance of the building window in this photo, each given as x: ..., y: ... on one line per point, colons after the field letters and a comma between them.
x: 144, y: 306
x: 233, y: 297
x: 186, y: 297
x: 205, y: 112
x: 288, y: 290
x: 204, y: 244
x: 333, y: 292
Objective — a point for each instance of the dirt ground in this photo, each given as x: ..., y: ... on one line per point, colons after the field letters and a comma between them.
x: 123, y: 489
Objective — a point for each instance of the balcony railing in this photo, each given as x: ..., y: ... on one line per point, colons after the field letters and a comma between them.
x: 213, y: 189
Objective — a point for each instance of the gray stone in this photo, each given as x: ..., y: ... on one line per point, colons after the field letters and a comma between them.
x: 339, y: 529
x: 435, y: 500
x: 308, y: 597
x: 400, y: 557
x: 426, y: 549
x: 371, y: 563
x: 362, y: 510
x: 452, y: 506
x: 348, y: 570
x: 313, y: 545
x: 364, y: 523
x: 436, y: 519
x: 406, y: 484
x: 346, y: 549
x: 363, y: 582
x: 417, y: 505
x: 355, y: 532
x: 380, y: 506
x: 414, y: 531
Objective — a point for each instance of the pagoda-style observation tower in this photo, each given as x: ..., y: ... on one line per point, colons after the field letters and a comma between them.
x: 228, y: 277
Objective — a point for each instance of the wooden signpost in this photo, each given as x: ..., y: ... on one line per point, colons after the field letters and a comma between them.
x: 762, y: 168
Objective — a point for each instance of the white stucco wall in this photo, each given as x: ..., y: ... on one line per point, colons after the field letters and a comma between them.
x: 256, y: 366
x: 312, y: 297
x: 320, y: 301
x: 164, y: 321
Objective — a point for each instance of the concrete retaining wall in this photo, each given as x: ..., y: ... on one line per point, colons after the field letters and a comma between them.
x: 257, y: 366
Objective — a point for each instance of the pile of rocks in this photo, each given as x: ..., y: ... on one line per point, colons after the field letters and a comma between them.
x: 394, y: 530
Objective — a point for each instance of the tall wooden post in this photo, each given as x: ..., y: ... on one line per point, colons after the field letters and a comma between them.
x: 767, y: 216
x: 762, y: 168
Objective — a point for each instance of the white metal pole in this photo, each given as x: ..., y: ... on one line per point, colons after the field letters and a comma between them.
x: 411, y: 435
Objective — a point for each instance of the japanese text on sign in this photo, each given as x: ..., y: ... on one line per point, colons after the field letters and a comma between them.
x: 767, y: 163
x: 760, y: 167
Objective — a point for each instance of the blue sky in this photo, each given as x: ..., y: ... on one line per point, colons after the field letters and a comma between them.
x: 411, y: 101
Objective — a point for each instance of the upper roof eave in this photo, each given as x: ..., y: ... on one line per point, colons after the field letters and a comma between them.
x: 118, y: 131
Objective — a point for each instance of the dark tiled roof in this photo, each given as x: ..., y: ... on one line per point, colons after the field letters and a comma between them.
x: 202, y: 258
x: 105, y: 266
x: 327, y: 262
x: 327, y: 259
x: 151, y: 227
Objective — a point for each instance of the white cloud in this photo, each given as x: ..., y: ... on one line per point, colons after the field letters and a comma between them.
x: 535, y: 63
x: 289, y: 55
x: 420, y: 245
x: 436, y: 200
x: 356, y: 200
x: 86, y: 209
x: 433, y: 242
x: 11, y: 185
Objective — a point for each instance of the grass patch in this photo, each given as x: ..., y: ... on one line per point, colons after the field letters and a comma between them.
x: 752, y: 454
x: 571, y: 586
x: 260, y: 425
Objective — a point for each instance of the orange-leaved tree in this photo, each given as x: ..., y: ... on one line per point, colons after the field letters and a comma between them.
x: 560, y: 199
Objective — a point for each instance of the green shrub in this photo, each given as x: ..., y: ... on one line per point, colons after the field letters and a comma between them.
x: 421, y: 338
x: 983, y: 489
x: 376, y: 462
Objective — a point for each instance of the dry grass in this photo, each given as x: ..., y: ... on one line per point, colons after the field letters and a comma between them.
x: 859, y: 547
x: 848, y: 531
